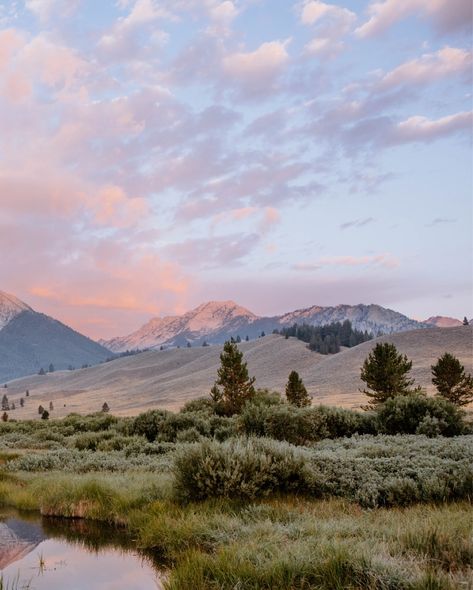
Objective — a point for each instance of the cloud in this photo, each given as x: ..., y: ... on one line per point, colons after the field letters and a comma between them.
x: 430, y: 67
x: 382, y: 260
x: 439, y: 221
x: 357, y: 223
x: 423, y: 129
x: 257, y: 71
x: 45, y: 9
x: 445, y: 15
x: 331, y: 23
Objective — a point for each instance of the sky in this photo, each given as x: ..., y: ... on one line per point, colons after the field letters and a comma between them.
x: 156, y: 154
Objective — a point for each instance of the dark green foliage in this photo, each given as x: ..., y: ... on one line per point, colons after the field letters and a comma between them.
x: 45, y: 415
x: 202, y: 404
x: 42, y: 371
x: 5, y: 403
x: 465, y: 321
x: 419, y: 414
x: 451, y: 381
x: 327, y: 339
x: 40, y: 410
x: 385, y: 373
x: 232, y: 377
x: 105, y: 407
x: 5, y: 417
x: 303, y: 425
x: 296, y: 393
x: 51, y: 368
x: 148, y: 424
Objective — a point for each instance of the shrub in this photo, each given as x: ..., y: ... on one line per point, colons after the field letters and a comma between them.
x: 149, y: 424
x: 419, y: 414
x: 244, y: 468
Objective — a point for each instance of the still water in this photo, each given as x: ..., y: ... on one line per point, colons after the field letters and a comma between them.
x: 60, y: 554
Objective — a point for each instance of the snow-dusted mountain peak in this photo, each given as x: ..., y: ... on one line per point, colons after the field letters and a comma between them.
x: 10, y: 307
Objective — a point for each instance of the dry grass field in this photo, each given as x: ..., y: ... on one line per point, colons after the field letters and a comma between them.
x: 167, y: 379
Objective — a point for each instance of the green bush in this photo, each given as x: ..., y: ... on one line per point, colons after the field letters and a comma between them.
x: 304, y: 425
x: 244, y: 468
x: 419, y: 414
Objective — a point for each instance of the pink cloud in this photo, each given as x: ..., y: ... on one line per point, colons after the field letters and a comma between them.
x: 429, y: 67
x: 420, y: 128
x: 446, y: 15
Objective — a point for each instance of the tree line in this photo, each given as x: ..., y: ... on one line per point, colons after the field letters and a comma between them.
x: 327, y: 339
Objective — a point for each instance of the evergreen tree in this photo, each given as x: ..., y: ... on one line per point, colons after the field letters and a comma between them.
x: 5, y: 417
x: 42, y: 371
x: 189, y: 345
x: 45, y: 415
x: 27, y: 393
x: 247, y: 339
x: 13, y: 407
x: 451, y: 381
x: 5, y: 403
x: 40, y: 410
x: 22, y: 402
x: 296, y: 392
x: 385, y: 373
x: 51, y: 407
x: 238, y: 339
x: 232, y: 377
x: 465, y: 321
x: 51, y: 368
x: 105, y: 408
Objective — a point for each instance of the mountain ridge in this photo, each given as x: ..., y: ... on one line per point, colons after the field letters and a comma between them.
x: 216, y: 321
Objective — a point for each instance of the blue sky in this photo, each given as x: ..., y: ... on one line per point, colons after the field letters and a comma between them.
x: 158, y: 153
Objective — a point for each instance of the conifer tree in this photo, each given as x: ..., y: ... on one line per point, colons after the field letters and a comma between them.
x: 45, y: 415
x: 51, y: 406
x: 385, y: 373
x: 296, y: 392
x: 232, y: 377
x: 22, y: 402
x: 105, y: 407
x: 451, y: 381
x: 40, y: 410
x: 465, y: 321
x: 5, y: 417
x: 5, y: 403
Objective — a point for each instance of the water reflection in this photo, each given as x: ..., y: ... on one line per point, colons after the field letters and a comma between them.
x: 57, y: 554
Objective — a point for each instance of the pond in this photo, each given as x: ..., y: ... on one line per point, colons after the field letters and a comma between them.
x: 57, y: 554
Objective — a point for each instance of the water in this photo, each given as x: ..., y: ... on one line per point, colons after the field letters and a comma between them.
x: 61, y: 554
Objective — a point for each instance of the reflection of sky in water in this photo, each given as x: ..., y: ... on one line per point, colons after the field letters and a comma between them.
x: 70, y: 567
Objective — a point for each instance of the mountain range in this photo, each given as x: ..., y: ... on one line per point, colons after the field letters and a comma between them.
x: 30, y: 341
x: 216, y: 321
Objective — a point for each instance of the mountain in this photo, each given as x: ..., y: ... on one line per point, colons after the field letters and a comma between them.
x: 17, y: 539
x: 30, y: 341
x: 10, y: 307
x: 169, y: 378
x: 215, y: 322
x: 440, y: 321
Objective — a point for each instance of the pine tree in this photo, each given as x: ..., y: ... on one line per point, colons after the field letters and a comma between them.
x: 5, y: 417
x: 51, y: 368
x: 51, y: 407
x: 5, y: 403
x: 451, y: 381
x: 465, y: 321
x: 232, y: 377
x: 105, y: 408
x: 27, y: 393
x: 296, y: 392
x: 40, y: 410
x: 22, y: 402
x: 385, y: 373
x: 45, y: 415
x: 42, y: 371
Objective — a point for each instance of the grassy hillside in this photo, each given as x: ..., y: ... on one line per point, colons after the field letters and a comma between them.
x: 169, y: 378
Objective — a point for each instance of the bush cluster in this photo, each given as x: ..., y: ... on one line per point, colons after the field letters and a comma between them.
x: 373, y: 471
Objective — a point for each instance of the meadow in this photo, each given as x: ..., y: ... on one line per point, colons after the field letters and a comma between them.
x: 328, y: 501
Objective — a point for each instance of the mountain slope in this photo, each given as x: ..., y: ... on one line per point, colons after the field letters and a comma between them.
x: 169, y: 378
x: 10, y: 307
x: 33, y: 340
x: 216, y: 322
x: 213, y: 320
